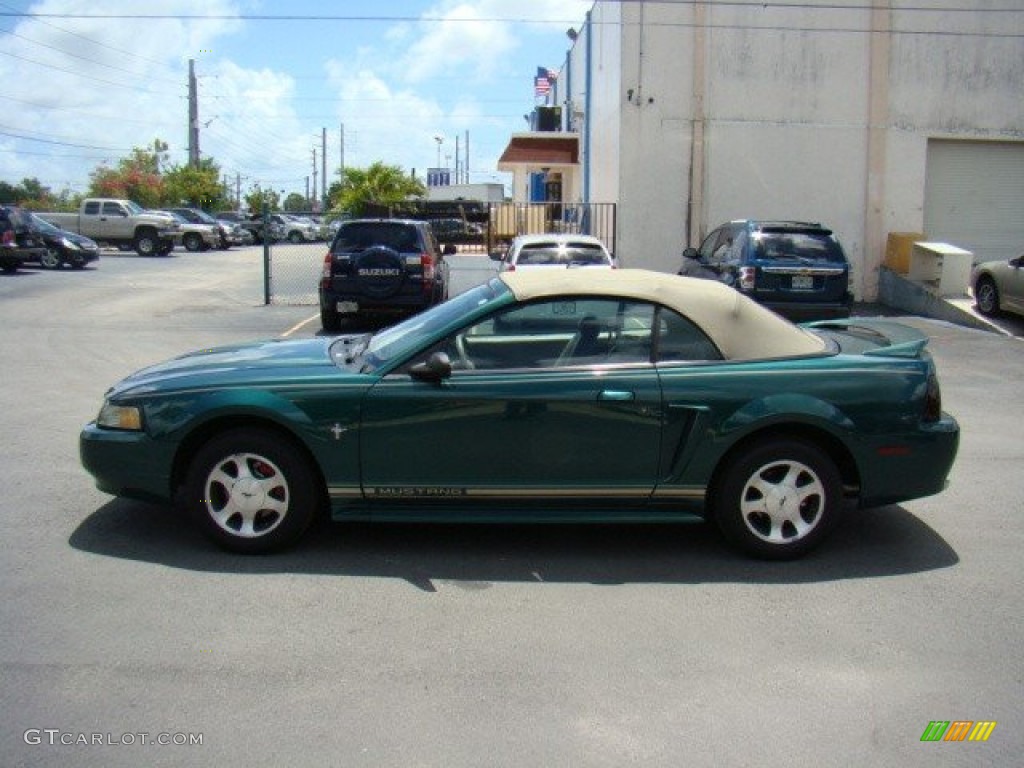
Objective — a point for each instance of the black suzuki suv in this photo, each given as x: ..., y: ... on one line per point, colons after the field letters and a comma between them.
x: 794, y: 268
x: 382, y: 266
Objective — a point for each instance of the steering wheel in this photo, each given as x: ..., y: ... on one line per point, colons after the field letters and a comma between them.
x: 463, y: 355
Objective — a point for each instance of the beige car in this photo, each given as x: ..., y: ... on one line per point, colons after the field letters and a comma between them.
x: 999, y: 286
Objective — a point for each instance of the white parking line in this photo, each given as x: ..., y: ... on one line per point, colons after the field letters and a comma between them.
x: 297, y: 326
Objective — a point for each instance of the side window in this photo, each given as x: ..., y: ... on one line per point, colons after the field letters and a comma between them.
x: 92, y: 208
x: 710, y: 244
x: 555, y: 334
x: 113, y: 209
x: 680, y: 340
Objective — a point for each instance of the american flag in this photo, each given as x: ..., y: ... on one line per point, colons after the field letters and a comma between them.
x: 542, y: 83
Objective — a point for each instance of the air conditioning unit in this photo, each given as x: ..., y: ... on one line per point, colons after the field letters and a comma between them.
x: 547, y: 119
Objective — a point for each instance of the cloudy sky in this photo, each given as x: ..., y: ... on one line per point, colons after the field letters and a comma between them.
x: 84, y: 82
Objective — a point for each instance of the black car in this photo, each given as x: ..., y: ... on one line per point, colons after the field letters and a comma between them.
x: 63, y: 247
x: 382, y: 266
x: 19, y: 241
x: 797, y: 269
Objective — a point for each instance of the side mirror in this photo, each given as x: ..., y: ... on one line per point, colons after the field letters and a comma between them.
x: 497, y: 255
x: 691, y: 253
x: 449, y: 250
x: 436, y: 368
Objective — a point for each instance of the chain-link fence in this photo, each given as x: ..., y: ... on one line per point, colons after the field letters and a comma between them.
x: 293, y: 263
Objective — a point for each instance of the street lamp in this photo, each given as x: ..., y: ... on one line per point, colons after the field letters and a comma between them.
x: 440, y: 141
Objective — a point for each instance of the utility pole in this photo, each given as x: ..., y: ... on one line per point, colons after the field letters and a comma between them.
x: 314, y: 172
x: 323, y: 169
x: 193, y: 116
x: 466, y: 167
x: 342, y: 145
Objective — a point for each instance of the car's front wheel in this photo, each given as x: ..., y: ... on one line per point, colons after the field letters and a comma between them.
x: 51, y: 259
x: 192, y: 242
x: 778, y: 499
x: 986, y: 295
x: 252, y: 491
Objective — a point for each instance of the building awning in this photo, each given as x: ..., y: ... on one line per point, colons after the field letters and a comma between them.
x: 547, y: 150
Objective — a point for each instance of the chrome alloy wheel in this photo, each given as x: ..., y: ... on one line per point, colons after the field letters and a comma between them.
x: 247, y: 495
x: 782, y: 502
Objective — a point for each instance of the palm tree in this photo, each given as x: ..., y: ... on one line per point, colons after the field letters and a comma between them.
x: 379, y: 184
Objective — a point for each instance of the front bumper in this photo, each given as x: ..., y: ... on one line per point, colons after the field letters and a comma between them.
x: 126, y: 463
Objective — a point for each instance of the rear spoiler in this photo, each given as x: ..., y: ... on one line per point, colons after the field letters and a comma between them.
x: 895, y: 339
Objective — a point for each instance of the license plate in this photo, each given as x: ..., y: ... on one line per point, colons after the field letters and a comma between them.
x: 803, y: 283
x: 348, y: 307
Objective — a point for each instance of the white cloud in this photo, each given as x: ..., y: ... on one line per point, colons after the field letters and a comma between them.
x: 88, y: 90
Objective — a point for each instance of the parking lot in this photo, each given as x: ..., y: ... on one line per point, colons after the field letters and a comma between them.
x: 403, y: 645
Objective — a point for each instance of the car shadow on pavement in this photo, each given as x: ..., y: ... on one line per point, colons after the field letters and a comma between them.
x: 869, y: 543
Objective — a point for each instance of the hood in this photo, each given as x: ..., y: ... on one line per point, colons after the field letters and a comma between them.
x: 259, y: 363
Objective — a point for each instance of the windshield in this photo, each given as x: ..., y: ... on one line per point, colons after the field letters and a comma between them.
x: 562, y: 254
x: 204, y: 217
x: 399, y: 340
x: 44, y: 226
x: 133, y: 208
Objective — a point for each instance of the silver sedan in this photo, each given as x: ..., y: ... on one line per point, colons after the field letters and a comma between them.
x: 999, y: 286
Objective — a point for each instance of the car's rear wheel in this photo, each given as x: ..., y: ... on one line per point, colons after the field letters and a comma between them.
x: 192, y: 242
x: 986, y: 295
x: 295, y: 236
x: 251, y: 491
x: 50, y: 259
x: 778, y: 499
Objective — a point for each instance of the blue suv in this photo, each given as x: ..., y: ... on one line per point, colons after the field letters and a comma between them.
x: 795, y: 268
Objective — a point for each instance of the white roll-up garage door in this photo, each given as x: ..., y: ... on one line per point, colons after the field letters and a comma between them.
x: 974, y: 197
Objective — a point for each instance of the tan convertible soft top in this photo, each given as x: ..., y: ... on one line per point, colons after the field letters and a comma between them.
x: 740, y: 327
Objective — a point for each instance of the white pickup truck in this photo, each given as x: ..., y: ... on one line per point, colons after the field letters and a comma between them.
x: 121, y: 223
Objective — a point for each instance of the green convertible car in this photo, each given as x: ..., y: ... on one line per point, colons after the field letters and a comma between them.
x: 575, y: 396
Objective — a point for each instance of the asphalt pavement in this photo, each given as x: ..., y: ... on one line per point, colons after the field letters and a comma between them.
x: 403, y: 645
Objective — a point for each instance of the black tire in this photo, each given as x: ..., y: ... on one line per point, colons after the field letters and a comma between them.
x: 295, y: 236
x: 192, y: 242
x: 252, y: 491
x: 147, y: 243
x: 986, y: 296
x: 51, y: 259
x: 330, y: 320
x: 165, y: 247
x: 778, y: 499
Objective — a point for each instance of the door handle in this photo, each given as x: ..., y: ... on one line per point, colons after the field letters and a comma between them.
x: 616, y: 395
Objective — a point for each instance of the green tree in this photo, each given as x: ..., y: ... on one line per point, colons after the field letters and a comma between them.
x: 296, y: 203
x: 198, y: 187
x: 380, y: 183
x: 258, y: 196
x: 137, y: 176
x: 30, y: 193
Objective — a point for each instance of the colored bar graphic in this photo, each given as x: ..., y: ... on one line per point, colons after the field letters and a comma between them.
x: 982, y: 730
x: 958, y: 730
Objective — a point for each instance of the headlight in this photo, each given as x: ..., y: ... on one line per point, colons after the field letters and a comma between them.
x: 120, y: 417
x: 69, y: 244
